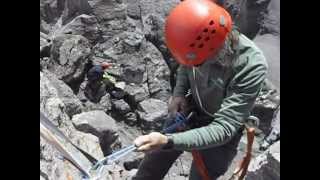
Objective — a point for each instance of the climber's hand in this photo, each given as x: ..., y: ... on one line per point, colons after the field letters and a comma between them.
x: 177, y: 104
x: 151, y: 141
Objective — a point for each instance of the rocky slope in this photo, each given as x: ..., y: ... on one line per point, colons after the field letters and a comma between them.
x: 76, y: 34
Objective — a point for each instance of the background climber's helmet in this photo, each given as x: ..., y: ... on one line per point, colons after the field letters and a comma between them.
x: 95, y: 73
x: 195, y: 29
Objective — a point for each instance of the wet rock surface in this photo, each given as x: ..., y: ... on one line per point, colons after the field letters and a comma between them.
x: 129, y: 34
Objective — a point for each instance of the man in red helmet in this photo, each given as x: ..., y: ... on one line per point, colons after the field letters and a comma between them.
x: 224, y: 71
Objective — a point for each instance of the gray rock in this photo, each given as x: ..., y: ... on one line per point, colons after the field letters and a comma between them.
x: 105, y: 102
x: 151, y: 112
x: 84, y: 25
x: 111, y: 15
x: 63, y: 92
x: 130, y: 119
x: 146, y: 66
x: 265, y: 106
x: 101, y: 125
x: 87, y: 142
x: 270, y: 45
x: 161, y: 8
x: 50, y: 10
x: 270, y: 23
x: 97, y: 123
x: 70, y: 54
x: 103, y: 105
x: 106, y: 10
x: 74, y: 8
x: 44, y: 63
x: 137, y: 93
x: 57, y: 99
x: 267, y: 165
x: 121, y: 107
x: 45, y: 45
x: 153, y: 28
x: 250, y: 16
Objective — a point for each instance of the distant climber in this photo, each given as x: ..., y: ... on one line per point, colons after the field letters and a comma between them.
x: 225, y: 71
x: 99, y: 82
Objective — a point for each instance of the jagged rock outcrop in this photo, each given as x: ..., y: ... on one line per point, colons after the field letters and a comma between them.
x: 84, y: 25
x: 266, y: 166
x: 57, y: 99
x: 99, y: 124
x: 151, y: 113
x: 69, y: 56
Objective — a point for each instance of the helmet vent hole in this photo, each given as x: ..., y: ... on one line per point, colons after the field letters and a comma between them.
x: 200, y: 46
x: 211, y: 22
x: 213, y: 31
x: 192, y: 45
x: 207, y: 39
x: 205, y: 30
x: 199, y: 38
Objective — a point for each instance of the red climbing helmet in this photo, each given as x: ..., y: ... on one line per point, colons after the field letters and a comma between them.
x: 195, y: 29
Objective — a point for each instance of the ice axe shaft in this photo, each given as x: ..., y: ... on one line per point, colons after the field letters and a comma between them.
x: 68, y: 150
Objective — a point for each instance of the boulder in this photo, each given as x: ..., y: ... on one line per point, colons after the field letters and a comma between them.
x: 139, y: 62
x: 74, y: 8
x: 69, y: 54
x: 97, y: 123
x: 131, y: 119
x: 137, y: 93
x: 57, y: 99
x: 87, y: 142
x: 266, y: 166
x: 50, y: 11
x: 45, y: 45
x: 106, y: 10
x: 138, y: 8
x: 270, y: 23
x: 270, y: 45
x: 84, y: 25
x: 121, y: 107
x: 151, y: 112
x: 250, y: 16
x: 111, y: 15
x: 52, y: 87
x: 265, y: 106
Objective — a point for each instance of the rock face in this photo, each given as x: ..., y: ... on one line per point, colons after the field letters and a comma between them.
x: 69, y: 56
x: 74, y: 8
x: 57, y: 99
x: 267, y: 165
x: 84, y: 25
x: 151, y: 113
x: 265, y: 106
x: 99, y: 124
x: 121, y: 107
x: 95, y: 122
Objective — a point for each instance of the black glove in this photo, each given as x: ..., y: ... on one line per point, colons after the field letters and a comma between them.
x: 177, y: 104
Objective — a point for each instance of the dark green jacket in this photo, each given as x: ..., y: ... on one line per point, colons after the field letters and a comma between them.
x: 226, y: 92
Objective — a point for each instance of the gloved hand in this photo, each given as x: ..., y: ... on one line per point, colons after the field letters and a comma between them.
x: 177, y: 104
